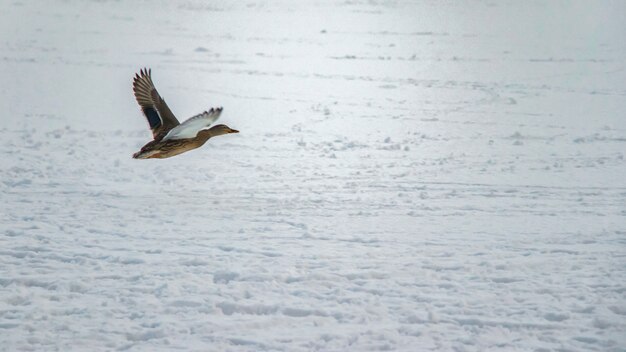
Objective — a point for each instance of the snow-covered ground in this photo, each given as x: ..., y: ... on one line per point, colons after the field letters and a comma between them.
x: 410, y: 176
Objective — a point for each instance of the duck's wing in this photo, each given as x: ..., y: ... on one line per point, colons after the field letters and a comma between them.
x: 159, y: 116
x: 191, y: 127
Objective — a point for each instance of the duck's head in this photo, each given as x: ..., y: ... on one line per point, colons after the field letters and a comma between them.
x: 223, y: 129
x: 217, y: 130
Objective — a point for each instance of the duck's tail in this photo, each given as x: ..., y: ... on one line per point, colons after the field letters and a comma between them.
x: 141, y: 155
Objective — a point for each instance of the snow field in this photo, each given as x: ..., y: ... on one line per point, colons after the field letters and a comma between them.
x: 406, y: 178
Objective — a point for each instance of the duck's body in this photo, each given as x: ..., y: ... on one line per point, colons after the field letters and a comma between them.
x: 170, y: 136
x: 165, y: 148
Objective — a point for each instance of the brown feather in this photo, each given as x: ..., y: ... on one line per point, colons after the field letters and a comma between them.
x: 149, y: 100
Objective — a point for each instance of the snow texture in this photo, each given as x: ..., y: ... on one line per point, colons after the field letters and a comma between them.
x: 409, y: 176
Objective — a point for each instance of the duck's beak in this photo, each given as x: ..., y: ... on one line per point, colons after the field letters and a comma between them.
x: 233, y: 131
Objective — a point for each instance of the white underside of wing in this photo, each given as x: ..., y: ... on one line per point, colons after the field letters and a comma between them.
x: 191, y: 127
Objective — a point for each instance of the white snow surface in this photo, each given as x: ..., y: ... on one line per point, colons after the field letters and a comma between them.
x: 409, y: 176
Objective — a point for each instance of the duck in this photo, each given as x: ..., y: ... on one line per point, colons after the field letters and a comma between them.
x: 170, y: 137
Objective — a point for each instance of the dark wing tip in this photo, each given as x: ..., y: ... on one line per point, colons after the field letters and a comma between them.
x: 214, y: 110
x: 143, y: 72
x: 142, y: 80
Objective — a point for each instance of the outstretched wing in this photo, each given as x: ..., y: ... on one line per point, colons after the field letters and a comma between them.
x: 191, y: 127
x: 158, y: 114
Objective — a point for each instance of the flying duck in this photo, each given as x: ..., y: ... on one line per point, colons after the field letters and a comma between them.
x: 171, y: 137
